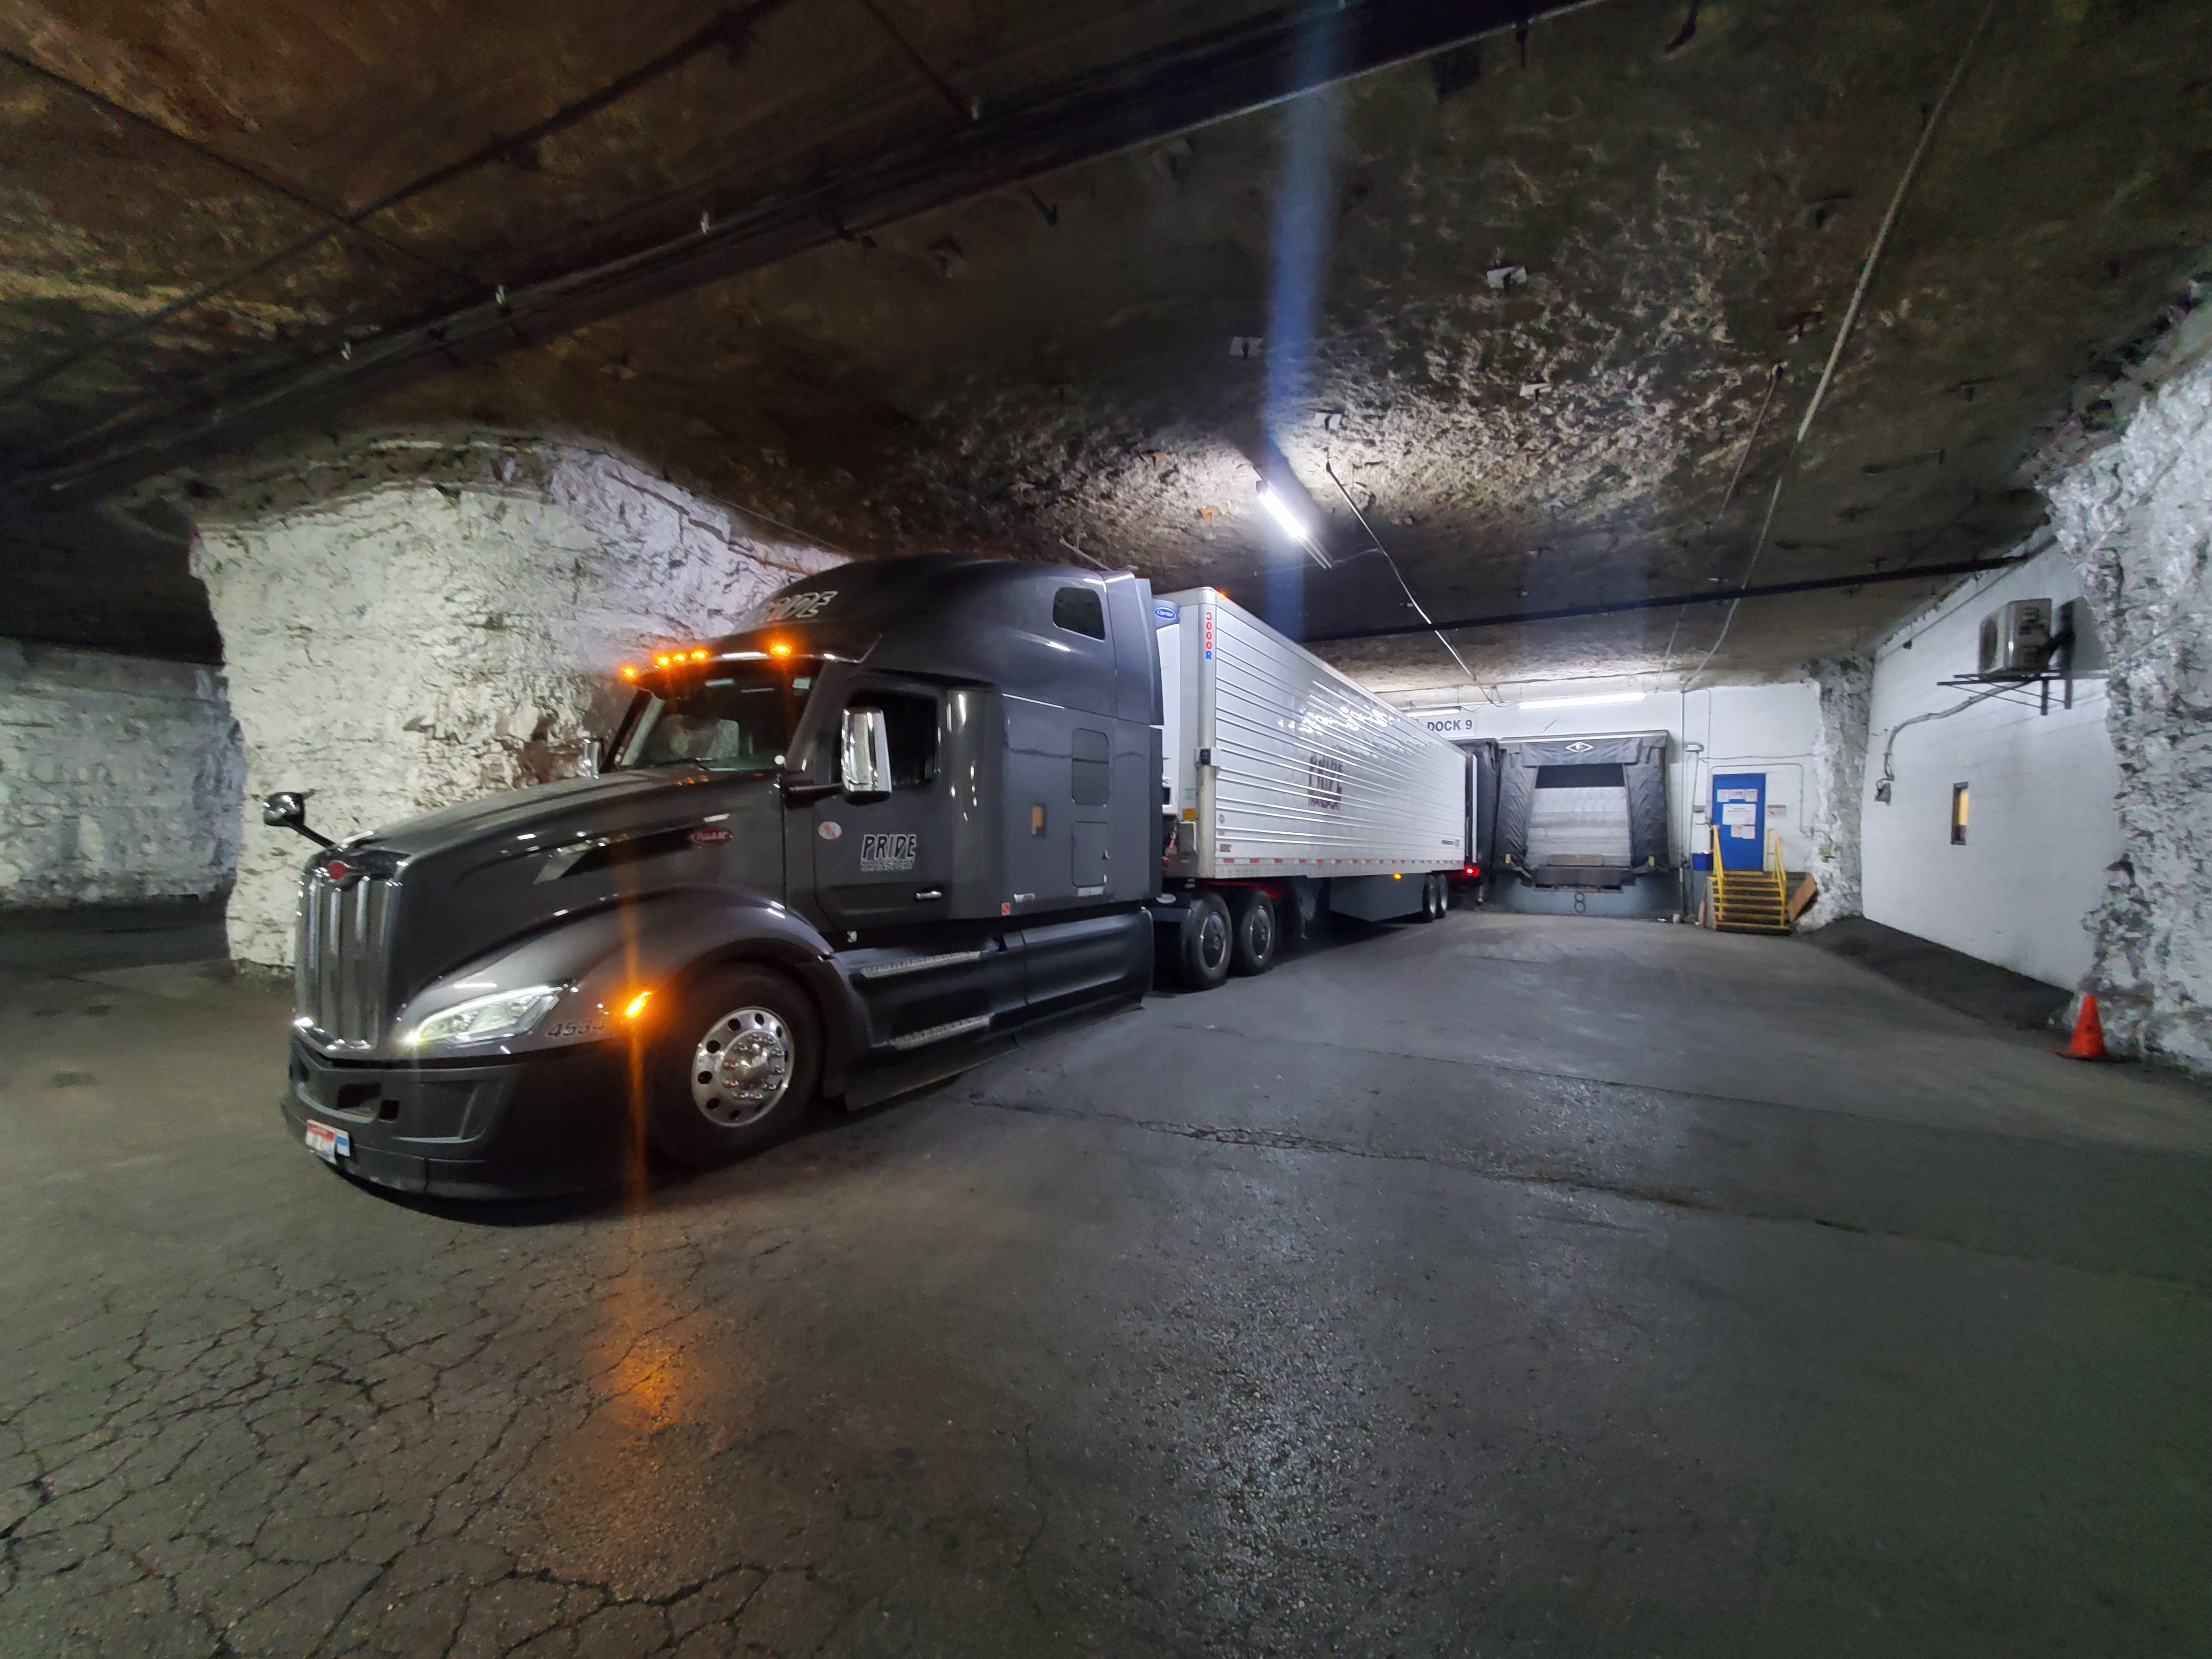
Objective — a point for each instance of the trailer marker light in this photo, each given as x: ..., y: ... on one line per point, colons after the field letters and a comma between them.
x: 698, y: 656
x: 628, y: 673
x: 636, y: 1004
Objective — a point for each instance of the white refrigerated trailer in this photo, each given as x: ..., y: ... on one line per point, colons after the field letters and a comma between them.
x: 1288, y: 790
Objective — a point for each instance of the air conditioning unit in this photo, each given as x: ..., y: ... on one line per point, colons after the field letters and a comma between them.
x: 2015, y: 641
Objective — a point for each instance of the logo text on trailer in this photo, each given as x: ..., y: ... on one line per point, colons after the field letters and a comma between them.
x: 1325, y: 781
x: 886, y: 854
x: 1580, y: 748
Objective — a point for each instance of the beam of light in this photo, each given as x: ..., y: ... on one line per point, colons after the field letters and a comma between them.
x: 1584, y: 703
x: 1279, y: 511
x: 1305, y: 227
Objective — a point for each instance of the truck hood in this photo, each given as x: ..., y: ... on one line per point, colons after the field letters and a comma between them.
x: 460, y: 883
x: 545, y: 810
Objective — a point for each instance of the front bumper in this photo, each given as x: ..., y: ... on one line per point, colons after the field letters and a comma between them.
x: 561, y: 1121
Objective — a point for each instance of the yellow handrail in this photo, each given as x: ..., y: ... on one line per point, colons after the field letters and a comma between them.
x: 1770, y: 869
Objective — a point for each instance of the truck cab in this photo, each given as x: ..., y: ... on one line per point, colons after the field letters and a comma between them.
x: 909, y: 804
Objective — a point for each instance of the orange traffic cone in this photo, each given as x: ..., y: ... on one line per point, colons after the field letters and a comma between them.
x: 2088, y: 1034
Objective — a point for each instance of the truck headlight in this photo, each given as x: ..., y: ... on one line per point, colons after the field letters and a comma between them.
x: 486, y: 1019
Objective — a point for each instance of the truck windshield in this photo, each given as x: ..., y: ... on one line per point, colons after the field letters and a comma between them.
x: 734, y: 720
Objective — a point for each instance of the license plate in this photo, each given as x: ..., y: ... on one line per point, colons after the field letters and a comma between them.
x: 328, y: 1143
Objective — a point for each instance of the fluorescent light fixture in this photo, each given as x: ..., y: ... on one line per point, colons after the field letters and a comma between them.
x: 1279, y: 511
x: 1584, y: 703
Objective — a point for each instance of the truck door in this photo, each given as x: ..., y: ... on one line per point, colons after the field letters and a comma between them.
x: 889, y: 862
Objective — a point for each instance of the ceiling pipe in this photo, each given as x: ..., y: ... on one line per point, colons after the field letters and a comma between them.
x: 1615, y: 607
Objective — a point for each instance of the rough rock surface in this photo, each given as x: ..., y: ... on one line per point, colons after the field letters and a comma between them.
x: 1528, y: 299
x: 2135, y: 517
x: 119, y: 778
x: 420, y: 620
x: 1838, y: 786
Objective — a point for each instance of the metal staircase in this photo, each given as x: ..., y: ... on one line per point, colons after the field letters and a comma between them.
x: 1751, y: 900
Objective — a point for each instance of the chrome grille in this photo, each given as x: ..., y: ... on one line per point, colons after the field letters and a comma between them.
x: 344, y: 930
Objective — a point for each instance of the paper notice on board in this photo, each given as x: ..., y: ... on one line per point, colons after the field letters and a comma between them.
x: 1743, y: 831
x: 1736, y: 812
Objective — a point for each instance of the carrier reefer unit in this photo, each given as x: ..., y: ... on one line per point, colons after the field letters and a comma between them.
x: 910, y: 806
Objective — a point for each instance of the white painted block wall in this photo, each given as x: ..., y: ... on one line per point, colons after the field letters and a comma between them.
x: 119, y: 778
x: 1731, y: 728
x: 2042, y: 824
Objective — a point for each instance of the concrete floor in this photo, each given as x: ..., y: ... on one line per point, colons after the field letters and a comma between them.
x: 1516, y: 1285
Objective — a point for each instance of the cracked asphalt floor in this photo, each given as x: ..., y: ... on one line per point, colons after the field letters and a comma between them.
x: 1507, y: 1286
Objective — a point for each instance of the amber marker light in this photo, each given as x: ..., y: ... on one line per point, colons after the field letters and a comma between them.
x: 698, y: 656
x: 628, y: 673
x: 636, y: 1004
x: 779, y: 648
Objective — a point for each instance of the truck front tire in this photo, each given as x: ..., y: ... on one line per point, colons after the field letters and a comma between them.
x: 1257, y: 936
x: 735, y: 1064
x: 1204, y: 943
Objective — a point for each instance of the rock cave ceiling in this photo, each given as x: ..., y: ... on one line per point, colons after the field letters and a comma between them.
x: 1526, y: 297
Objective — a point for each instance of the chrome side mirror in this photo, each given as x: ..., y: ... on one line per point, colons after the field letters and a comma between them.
x: 866, y: 768
x: 588, y: 760
x: 287, y: 809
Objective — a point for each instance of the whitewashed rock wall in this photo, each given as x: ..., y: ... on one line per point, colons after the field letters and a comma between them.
x: 412, y: 623
x: 2135, y: 520
x: 1835, y: 787
x: 119, y: 778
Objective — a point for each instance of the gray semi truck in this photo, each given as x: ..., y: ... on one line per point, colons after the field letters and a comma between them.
x: 913, y: 806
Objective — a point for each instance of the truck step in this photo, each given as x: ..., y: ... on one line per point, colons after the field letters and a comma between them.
x: 945, y: 1033
x: 876, y: 970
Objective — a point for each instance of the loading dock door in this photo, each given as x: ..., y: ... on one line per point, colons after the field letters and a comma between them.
x: 1578, y: 819
x: 1582, y: 841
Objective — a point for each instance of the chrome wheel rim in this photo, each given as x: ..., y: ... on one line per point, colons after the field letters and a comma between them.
x: 741, y: 1068
x: 1214, y: 940
x: 1263, y: 932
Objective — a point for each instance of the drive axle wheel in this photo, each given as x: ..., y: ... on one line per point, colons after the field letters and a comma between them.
x: 1204, y: 943
x: 733, y: 1066
x: 1256, y: 935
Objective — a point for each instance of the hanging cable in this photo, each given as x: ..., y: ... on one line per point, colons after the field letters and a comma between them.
x: 1889, y: 750
x: 1376, y: 541
x: 1852, y: 313
x: 1773, y: 380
